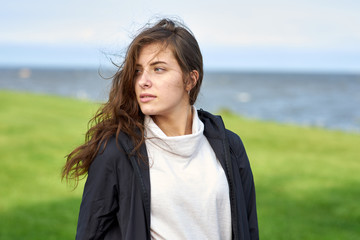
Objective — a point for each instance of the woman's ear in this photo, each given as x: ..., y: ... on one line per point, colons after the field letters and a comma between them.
x: 194, y: 76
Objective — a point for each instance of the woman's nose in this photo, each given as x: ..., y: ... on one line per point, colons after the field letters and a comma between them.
x: 144, y: 80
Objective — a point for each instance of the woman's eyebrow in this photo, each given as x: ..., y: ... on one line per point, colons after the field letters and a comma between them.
x: 157, y: 62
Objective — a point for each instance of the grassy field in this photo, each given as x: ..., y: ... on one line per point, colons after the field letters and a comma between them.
x: 307, y: 179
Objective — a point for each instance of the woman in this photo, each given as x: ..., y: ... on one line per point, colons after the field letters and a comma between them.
x: 158, y: 168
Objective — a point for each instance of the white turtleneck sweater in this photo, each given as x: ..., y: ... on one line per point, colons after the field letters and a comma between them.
x: 189, y: 190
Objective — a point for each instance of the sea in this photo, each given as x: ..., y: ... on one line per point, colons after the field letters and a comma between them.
x: 326, y: 100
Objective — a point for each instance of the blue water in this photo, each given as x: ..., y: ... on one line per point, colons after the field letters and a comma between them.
x: 325, y: 100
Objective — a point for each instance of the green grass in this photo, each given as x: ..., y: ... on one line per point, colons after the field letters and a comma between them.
x: 307, y: 179
x: 36, y: 132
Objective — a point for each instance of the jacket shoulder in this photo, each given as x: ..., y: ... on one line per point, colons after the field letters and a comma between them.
x: 109, y: 154
x: 237, y: 149
x: 233, y: 139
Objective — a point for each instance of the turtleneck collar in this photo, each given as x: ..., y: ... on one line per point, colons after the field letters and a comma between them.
x: 182, y: 146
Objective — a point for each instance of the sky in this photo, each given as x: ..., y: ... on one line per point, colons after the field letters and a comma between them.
x: 257, y: 35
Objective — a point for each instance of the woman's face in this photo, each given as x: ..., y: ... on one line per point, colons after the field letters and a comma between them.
x: 159, y: 85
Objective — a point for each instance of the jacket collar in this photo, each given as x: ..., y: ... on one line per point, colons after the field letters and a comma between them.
x: 214, y: 125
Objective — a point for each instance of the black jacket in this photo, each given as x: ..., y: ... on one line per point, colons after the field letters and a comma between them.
x: 116, y: 198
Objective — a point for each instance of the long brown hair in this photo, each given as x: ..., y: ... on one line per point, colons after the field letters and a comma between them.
x: 121, y: 113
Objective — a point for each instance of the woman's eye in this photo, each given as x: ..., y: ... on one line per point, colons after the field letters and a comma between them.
x: 137, y: 72
x: 159, y: 69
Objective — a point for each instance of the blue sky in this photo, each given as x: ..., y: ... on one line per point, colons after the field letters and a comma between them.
x: 277, y: 35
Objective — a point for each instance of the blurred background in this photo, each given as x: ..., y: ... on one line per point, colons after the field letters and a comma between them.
x: 295, y: 61
x: 285, y: 74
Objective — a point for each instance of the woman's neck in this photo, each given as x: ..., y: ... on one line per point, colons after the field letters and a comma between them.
x: 175, y: 125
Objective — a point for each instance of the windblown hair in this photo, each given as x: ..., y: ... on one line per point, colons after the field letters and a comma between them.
x: 121, y: 113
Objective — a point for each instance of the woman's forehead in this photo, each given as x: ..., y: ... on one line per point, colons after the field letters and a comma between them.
x: 155, y: 52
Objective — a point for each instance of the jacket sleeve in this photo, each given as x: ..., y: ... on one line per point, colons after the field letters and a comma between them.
x: 237, y: 148
x: 99, y: 202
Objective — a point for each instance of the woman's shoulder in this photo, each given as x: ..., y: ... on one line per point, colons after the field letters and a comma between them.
x: 109, y: 146
x: 234, y: 140
x: 111, y: 150
x: 233, y: 137
x: 237, y: 149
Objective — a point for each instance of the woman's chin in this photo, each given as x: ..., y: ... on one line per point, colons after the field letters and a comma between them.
x: 149, y: 112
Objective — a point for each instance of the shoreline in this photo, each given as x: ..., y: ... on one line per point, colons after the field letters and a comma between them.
x: 220, y: 110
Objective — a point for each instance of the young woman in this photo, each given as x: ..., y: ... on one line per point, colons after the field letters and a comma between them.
x: 158, y: 168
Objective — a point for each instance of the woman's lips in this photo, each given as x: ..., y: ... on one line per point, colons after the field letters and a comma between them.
x: 145, y: 97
